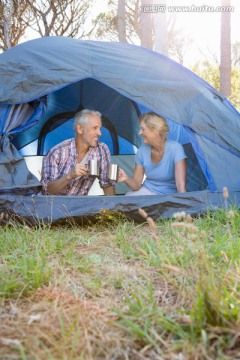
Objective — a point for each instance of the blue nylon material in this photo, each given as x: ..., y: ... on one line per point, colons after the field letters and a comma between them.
x: 113, y: 75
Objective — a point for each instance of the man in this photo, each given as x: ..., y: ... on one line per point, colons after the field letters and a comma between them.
x: 64, y: 169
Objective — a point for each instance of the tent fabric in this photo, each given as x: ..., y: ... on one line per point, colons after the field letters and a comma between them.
x: 44, y: 66
x: 14, y: 172
x: 15, y: 118
x: 43, y: 78
x: 88, y: 93
x: 60, y: 210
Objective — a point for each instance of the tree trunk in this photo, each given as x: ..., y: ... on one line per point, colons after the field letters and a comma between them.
x: 121, y: 21
x: 161, y: 31
x: 146, y: 24
x: 225, y: 48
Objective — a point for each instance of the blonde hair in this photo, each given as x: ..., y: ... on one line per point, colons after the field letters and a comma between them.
x: 155, y: 122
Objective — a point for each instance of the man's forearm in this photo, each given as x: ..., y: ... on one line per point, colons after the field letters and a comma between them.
x: 109, y: 190
x: 54, y: 187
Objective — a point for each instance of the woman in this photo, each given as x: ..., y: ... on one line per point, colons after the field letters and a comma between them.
x: 162, y: 161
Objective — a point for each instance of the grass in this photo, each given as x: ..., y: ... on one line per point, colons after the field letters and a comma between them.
x: 117, y: 290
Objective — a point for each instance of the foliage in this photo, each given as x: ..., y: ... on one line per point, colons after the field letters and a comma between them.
x: 210, y: 73
x: 234, y: 98
x: 236, y: 53
x: 46, y: 17
x: 178, y: 47
x: 15, y: 18
x: 107, y: 23
x: 60, y: 17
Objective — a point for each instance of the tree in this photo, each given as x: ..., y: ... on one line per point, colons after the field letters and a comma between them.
x: 210, y: 73
x: 178, y: 46
x: 236, y: 53
x: 163, y: 37
x: 60, y: 17
x: 235, y: 87
x: 146, y: 24
x: 107, y: 24
x: 161, y: 30
x: 15, y: 17
x: 46, y: 17
x: 225, y: 54
x: 121, y: 14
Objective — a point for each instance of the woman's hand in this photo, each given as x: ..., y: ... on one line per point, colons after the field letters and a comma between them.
x: 134, y: 182
x: 122, y: 176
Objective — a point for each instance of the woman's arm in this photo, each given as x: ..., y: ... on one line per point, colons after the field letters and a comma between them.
x: 181, y: 175
x: 135, y: 181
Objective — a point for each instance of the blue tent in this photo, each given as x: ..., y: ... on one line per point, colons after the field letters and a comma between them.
x: 44, y: 82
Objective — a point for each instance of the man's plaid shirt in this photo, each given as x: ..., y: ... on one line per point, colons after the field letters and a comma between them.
x: 61, y: 159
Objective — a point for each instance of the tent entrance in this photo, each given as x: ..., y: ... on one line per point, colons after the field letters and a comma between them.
x: 120, y: 125
x: 120, y: 115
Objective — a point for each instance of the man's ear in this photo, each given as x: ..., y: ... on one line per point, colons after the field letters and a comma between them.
x: 79, y: 129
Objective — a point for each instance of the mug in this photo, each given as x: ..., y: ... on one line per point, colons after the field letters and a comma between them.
x: 113, y: 171
x: 94, y: 167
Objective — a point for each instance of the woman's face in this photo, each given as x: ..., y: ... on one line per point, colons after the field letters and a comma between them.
x: 150, y: 136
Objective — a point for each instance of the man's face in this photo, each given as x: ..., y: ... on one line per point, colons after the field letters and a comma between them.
x: 91, y: 131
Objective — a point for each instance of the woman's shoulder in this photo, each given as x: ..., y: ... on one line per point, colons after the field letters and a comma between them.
x: 144, y: 147
x: 176, y: 150
x: 143, y: 152
x: 173, y: 144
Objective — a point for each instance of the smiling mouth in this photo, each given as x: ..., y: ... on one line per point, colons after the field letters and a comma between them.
x: 95, y: 141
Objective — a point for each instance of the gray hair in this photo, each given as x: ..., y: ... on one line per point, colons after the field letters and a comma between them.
x: 82, y: 116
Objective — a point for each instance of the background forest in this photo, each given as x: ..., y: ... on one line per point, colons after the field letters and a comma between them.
x: 148, y: 23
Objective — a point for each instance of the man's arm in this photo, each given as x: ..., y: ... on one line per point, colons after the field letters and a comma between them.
x: 105, y: 183
x: 54, y: 187
x: 109, y: 190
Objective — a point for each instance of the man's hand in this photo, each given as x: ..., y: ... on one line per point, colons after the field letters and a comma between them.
x: 55, y: 187
x: 78, y: 170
